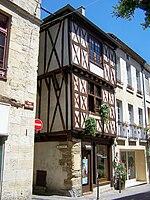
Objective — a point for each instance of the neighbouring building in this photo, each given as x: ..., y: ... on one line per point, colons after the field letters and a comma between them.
x: 19, y: 43
x: 76, y: 75
x: 132, y: 112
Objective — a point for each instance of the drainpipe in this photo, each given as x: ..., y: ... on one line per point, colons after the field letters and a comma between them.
x: 144, y: 98
x: 144, y: 95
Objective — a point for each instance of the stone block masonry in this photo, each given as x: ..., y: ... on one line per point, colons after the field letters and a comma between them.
x: 17, y: 167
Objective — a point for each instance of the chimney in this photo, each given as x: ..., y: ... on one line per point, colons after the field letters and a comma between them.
x: 81, y: 10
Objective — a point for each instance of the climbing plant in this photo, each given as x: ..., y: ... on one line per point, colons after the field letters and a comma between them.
x: 104, y: 113
x: 90, y: 126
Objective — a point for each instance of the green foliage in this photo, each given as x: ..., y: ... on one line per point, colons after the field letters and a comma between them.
x: 126, y: 9
x: 119, y: 168
x: 104, y: 113
x: 90, y: 126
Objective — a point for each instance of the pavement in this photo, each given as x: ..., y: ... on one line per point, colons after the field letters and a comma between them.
x: 140, y: 192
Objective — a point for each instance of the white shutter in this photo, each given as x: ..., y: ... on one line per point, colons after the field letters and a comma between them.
x: 4, y: 117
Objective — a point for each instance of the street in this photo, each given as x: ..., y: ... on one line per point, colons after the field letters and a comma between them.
x: 141, y: 192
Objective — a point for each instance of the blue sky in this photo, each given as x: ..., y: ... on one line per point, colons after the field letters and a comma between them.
x: 100, y: 13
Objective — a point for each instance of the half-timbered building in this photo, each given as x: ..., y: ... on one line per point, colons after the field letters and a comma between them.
x: 76, y: 75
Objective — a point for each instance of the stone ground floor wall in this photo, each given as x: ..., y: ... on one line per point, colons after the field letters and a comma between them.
x: 62, y: 163
x: 17, y: 153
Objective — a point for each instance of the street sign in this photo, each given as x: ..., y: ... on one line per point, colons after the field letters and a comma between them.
x: 38, y: 125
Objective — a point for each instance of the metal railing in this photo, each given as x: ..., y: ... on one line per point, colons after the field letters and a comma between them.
x: 121, y: 130
x: 130, y: 131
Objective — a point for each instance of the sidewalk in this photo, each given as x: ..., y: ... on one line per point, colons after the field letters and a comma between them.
x: 141, y: 192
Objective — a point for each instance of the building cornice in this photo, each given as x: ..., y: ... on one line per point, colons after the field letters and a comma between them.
x: 21, y: 11
x: 128, y: 50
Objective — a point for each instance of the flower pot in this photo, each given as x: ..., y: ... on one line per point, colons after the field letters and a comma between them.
x: 122, y: 184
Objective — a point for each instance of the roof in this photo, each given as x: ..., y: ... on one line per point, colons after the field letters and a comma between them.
x: 131, y: 52
x: 69, y: 10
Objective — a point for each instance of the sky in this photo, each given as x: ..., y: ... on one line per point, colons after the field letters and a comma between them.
x: 100, y: 13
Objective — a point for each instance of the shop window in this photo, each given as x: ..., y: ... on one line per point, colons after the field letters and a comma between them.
x: 94, y: 98
x: 102, y: 163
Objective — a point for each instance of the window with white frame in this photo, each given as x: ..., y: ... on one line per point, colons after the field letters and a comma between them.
x: 131, y: 116
x: 147, y: 85
x: 140, y: 113
x: 119, y: 111
x: 138, y: 80
x: 118, y: 69
x: 129, y: 80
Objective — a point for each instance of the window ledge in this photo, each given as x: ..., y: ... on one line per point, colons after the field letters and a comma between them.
x: 130, y: 90
x: 97, y: 64
x: 139, y: 95
x: 119, y: 84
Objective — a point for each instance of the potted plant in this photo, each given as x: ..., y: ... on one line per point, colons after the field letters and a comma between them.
x: 90, y: 126
x: 125, y: 123
x: 119, y: 174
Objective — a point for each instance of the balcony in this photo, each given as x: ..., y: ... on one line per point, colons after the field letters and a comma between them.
x: 121, y: 129
x: 130, y: 131
x: 141, y: 133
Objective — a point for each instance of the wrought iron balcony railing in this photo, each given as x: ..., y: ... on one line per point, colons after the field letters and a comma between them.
x: 130, y: 131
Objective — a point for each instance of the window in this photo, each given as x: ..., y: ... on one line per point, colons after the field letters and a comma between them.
x: 131, y: 117
x: 95, y: 51
x: 127, y: 56
x: 94, y: 98
x: 119, y: 111
x: 129, y: 81
x: 138, y: 80
x: 147, y: 85
x: 118, y: 69
x: 1, y: 157
x: 3, y: 44
x: 102, y: 163
x: 140, y: 112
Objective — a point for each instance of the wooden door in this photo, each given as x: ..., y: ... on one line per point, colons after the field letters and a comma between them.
x: 86, y: 170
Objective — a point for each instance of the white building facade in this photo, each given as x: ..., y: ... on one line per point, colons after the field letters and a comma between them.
x: 19, y: 43
x: 132, y: 112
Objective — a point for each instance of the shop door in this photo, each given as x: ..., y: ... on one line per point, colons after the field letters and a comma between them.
x: 86, y: 171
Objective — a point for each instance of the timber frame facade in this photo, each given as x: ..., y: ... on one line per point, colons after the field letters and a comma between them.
x: 76, y: 75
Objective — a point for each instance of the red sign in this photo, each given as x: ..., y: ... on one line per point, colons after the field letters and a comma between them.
x: 38, y: 125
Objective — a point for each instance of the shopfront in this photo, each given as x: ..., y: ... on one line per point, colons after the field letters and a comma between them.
x: 96, y: 163
x: 128, y: 157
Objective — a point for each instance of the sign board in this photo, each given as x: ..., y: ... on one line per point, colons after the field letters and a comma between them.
x: 38, y: 125
x: 28, y: 105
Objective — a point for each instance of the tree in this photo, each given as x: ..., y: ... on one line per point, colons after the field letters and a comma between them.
x: 126, y: 9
